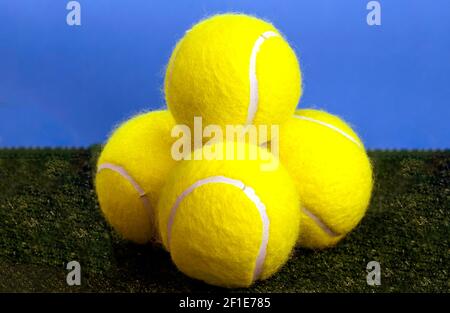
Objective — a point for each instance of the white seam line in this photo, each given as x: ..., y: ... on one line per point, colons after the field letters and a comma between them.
x: 253, y: 103
x: 320, y: 223
x: 142, y: 194
x: 329, y: 126
x: 250, y: 193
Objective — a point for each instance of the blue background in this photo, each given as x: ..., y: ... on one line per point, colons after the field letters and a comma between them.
x: 69, y: 86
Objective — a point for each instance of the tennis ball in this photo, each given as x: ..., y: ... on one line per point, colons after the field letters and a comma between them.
x: 226, y: 221
x: 233, y: 69
x: 333, y: 175
x: 131, y: 171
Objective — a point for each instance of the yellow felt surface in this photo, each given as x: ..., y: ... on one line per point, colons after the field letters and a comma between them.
x: 217, y: 230
x: 208, y: 73
x: 141, y: 146
x: 333, y: 175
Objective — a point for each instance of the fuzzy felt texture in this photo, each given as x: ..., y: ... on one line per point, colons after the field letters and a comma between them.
x: 217, y: 230
x: 209, y: 73
x: 333, y: 175
x: 141, y: 147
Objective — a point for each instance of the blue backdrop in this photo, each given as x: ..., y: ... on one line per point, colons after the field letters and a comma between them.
x: 66, y: 85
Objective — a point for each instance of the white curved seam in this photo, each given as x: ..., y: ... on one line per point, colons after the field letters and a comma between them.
x: 320, y: 223
x: 120, y: 170
x: 349, y: 137
x: 253, y: 103
x: 251, y: 195
x: 142, y: 194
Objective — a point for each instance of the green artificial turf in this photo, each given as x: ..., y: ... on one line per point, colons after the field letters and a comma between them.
x: 49, y: 216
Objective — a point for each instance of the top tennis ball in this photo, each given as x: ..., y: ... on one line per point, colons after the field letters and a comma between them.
x: 233, y: 69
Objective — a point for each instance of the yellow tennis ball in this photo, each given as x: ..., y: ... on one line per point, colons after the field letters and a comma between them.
x: 131, y: 171
x: 228, y: 222
x: 333, y: 175
x: 233, y: 69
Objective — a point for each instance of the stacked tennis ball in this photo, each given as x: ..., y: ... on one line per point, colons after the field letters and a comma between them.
x: 228, y: 221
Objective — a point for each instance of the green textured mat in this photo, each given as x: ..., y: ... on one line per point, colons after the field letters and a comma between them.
x: 49, y: 216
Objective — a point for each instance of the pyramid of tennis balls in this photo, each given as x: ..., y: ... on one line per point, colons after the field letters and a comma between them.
x: 227, y: 217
